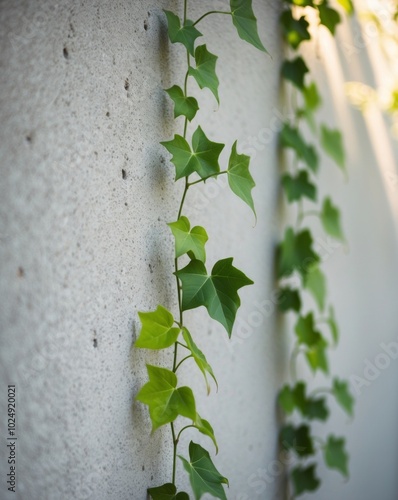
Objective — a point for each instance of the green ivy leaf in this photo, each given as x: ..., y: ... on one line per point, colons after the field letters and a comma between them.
x: 239, y: 178
x: 301, y: 3
x: 245, y: 22
x: 316, y: 409
x: 335, y: 455
x: 298, y: 187
x: 316, y: 356
x: 199, y: 357
x: 315, y: 283
x: 311, y: 96
x: 217, y: 292
x: 157, y: 330
x: 291, y: 138
x: 297, y: 439
x: 304, y: 479
x: 305, y: 330
x: 295, y: 253
x: 347, y: 6
x: 332, y: 143
x: 291, y: 398
x: 343, y: 395
x: 186, y: 106
x: 186, y: 34
x: 167, y: 492
x: 203, y: 475
x: 333, y: 325
x: 205, y: 71
x: 189, y: 240
x: 164, y: 400
x: 328, y: 17
x: 295, y: 71
x: 205, y: 428
x: 330, y: 218
x: 295, y: 30
x: 289, y: 299
x: 203, y: 158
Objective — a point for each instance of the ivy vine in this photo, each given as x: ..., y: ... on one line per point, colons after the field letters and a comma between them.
x: 315, y: 330
x: 198, y: 156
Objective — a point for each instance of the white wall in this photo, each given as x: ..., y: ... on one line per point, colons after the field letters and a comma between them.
x: 82, y: 249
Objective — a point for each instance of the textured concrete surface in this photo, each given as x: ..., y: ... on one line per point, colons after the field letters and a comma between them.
x: 85, y: 193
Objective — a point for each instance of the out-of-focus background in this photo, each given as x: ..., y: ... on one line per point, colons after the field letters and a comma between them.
x: 86, y: 192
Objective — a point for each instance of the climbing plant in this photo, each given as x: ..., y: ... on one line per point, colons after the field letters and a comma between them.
x: 316, y: 329
x: 196, y: 159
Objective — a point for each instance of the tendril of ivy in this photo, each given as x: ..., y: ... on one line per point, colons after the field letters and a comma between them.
x: 315, y: 330
x: 196, y: 159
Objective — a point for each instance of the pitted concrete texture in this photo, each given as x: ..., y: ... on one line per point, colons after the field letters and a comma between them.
x: 86, y: 191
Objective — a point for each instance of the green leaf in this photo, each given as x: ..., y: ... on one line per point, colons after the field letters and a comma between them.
x: 245, y: 22
x: 295, y: 30
x: 315, y: 282
x: 164, y: 400
x: 332, y: 143
x: 203, y: 475
x: 289, y: 299
x: 199, y: 357
x: 291, y: 398
x: 295, y: 71
x: 328, y: 17
x: 316, y: 356
x: 301, y: 3
x: 239, y: 178
x: 295, y: 253
x: 333, y: 325
x: 343, y: 395
x: 304, y: 479
x: 167, y: 492
x: 330, y: 218
x: 203, y: 158
x: 311, y: 96
x: 217, y: 292
x: 297, y: 439
x: 189, y: 240
x: 205, y: 428
x: 291, y: 138
x: 347, y: 6
x: 186, y: 34
x: 205, y: 71
x: 335, y: 455
x: 186, y: 106
x: 305, y: 330
x: 157, y: 330
x: 298, y: 187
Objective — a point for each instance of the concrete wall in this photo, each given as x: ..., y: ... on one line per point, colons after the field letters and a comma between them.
x: 83, y: 249
x: 86, y: 192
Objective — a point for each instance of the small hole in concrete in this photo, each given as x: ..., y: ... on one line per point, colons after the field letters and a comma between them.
x: 20, y: 272
x: 95, y: 342
x: 126, y: 84
x: 145, y: 25
x: 28, y: 138
x: 124, y: 174
x: 108, y: 114
x: 66, y: 53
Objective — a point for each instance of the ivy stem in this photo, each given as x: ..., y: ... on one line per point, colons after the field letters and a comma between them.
x: 321, y: 390
x: 182, y: 361
x: 208, y: 177
x: 183, y: 429
x: 183, y: 345
x: 212, y: 12
x: 175, y: 442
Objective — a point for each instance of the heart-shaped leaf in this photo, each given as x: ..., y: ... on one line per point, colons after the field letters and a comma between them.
x: 245, y: 22
x: 291, y: 138
x: 167, y: 492
x: 186, y: 106
x: 315, y: 282
x: 332, y: 143
x: 164, y: 400
x: 199, y: 357
x: 189, y: 240
x: 205, y: 71
x: 298, y: 187
x: 343, y: 395
x: 217, y: 291
x: 178, y: 33
x: 239, y: 178
x: 335, y: 455
x: 157, y: 330
x: 203, y: 475
x: 295, y: 71
x: 304, y: 479
x: 330, y: 218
